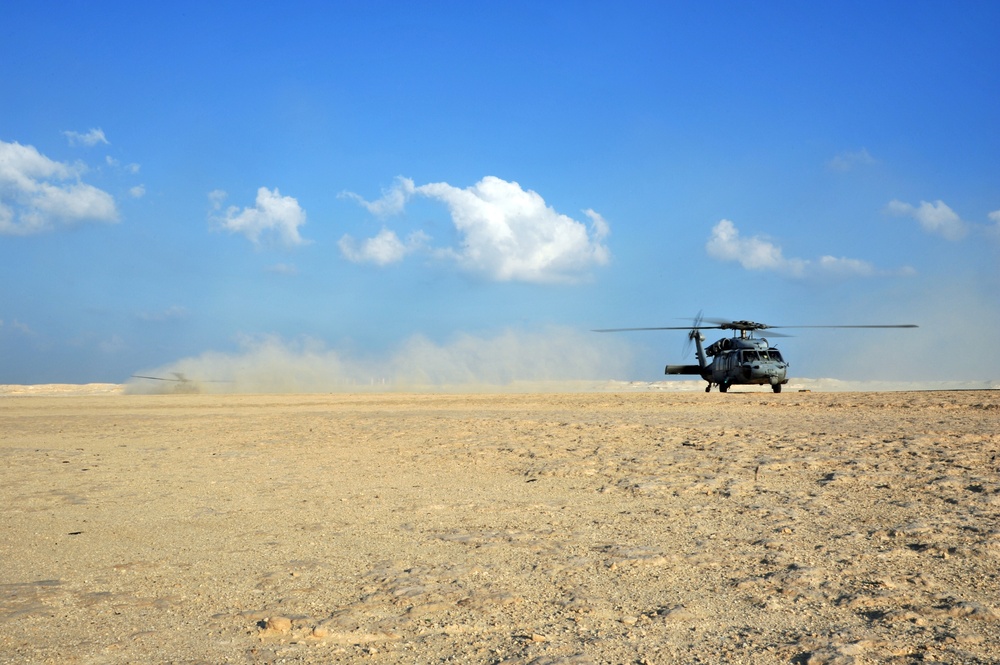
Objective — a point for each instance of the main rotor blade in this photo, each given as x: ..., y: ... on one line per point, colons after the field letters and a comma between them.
x: 750, y: 325
x: 184, y: 380
x: 156, y: 378
x: 894, y: 325
x: 660, y: 328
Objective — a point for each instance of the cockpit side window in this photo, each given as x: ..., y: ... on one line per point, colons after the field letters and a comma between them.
x: 749, y: 356
x: 775, y: 354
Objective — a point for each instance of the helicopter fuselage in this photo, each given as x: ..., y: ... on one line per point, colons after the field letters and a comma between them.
x: 744, y: 360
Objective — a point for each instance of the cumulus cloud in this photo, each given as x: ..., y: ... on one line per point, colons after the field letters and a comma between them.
x: 556, y: 358
x: 934, y: 217
x: 86, y: 139
x: 383, y: 249
x: 757, y: 253
x: 754, y: 253
x: 38, y: 194
x: 850, y: 160
x: 137, y: 192
x: 273, y: 216
x: 506, y: 233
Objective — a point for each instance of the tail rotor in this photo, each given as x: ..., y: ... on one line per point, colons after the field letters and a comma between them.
x: 695, y: 325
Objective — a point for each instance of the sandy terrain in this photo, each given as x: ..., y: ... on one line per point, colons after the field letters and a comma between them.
x: 566, y: 528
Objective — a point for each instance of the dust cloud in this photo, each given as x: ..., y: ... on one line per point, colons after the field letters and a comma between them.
x: 554, y: 358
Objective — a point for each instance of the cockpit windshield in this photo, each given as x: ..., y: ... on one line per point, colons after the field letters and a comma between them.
x: 770, y: 355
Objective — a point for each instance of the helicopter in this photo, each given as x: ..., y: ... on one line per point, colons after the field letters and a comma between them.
x: 184, y: 384
x: 742, y: 359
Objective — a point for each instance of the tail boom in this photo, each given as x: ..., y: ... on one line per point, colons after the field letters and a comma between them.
x: 683, y: 369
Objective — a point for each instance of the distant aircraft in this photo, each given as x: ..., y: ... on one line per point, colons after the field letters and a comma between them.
x: 184, y: 384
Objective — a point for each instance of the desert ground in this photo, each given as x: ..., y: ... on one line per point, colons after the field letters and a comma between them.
x: 623, y: 527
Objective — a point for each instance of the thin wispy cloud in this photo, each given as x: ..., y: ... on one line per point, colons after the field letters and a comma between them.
x: 273, y: 218
x: 128, y: 168
x: 86, y: 139
x: 392, y: 201
x: 16, y: 326
x: 760, y: 254
x: 850, y: 160
x: 936, y: 218
x: 172, y: 313
x: 286, y: 269
x: 38, y: 194
x: 994, y: 229
x: 506, y: 233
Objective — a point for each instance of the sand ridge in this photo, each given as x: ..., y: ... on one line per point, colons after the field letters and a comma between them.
x: 562, y: 528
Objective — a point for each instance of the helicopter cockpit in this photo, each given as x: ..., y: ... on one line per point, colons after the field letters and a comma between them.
x: 769, y: 355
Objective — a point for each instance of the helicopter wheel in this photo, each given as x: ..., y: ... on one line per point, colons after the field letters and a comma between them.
x: 708, y: 388
x: 723, y: 387
x: 776, y: 387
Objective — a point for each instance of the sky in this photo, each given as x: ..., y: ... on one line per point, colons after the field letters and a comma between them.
x: 449, y: 192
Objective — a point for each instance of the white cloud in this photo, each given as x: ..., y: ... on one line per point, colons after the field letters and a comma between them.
x: 37, y: 193
x: 845, y: 266
x: 510, y: 234
x: 137, y: 192
x: 216, y: 198
x: 383, y: 249
x: 756, y: 253
x: 751, y: 253
x: 88, y: 139
x: 850, y: 159
x: 933, y: 217
x: 272, y: 215
x: 392, y: 201
x: 506, y: 233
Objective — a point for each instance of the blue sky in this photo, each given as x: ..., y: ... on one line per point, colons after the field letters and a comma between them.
x: 409, y: 187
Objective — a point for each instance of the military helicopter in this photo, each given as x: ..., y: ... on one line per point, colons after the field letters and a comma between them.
x: 742, y: 359
x: 184, y: 384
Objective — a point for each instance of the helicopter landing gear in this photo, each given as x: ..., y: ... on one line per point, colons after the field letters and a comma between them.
x: 776, y: 387
x: 708, y: 388
x: 724, y: 387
